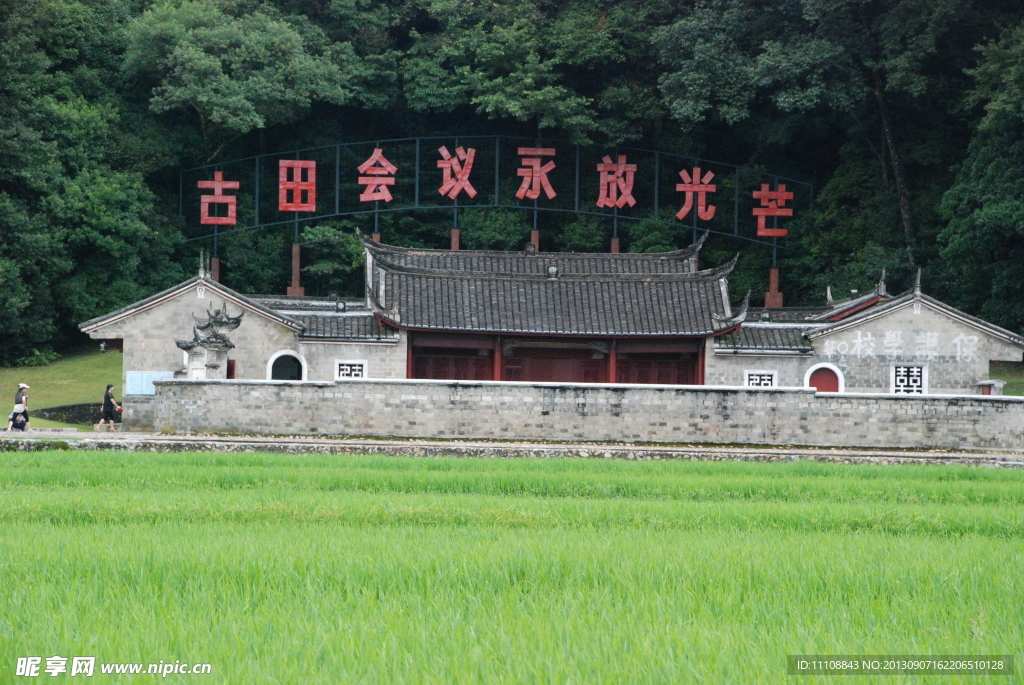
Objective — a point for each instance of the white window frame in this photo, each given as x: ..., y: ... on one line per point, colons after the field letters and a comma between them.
x: 365, y: 364
x: 892, y: 378
x: 830, y: 367
x: 747, y: 373
x: 273, y: 358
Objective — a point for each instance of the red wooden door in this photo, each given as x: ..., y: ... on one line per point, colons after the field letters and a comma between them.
x: 825, y: 380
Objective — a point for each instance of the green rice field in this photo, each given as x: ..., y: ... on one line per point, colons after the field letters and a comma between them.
x: 332, y: 569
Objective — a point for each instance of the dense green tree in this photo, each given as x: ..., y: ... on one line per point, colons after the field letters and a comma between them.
x: 911, y: 136
x: 984, y: 241
x: 77, y: 235
x: 234, y: 67
x: 494, y: 229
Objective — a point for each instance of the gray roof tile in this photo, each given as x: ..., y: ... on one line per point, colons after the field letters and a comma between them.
x: 765, y: 338
x: 625, y: 304
x: 342, y: 326
x: 537, y: 263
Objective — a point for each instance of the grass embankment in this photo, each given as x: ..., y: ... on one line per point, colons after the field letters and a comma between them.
x: 279, y: 569
x: 77, y: 379
x: 1012, y: 373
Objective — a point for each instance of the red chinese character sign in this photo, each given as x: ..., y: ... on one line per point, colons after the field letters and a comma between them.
x: 218, y: 185
x: 632, y: 182
x: 379, y: 175
x: 700, y: 186
x: 456, y: 172
x: 772, y: 204
x: 616, y: 183
x: 296, y: 185
x: 535, y: 175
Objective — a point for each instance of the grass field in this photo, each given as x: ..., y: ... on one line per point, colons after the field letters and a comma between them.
x: 1012, y: 373
x: 287, y: 569
x: 72, y: 380
x: 76, y: 379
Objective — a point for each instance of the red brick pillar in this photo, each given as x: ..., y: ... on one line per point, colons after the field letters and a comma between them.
x: 615, y: 246
x: 295, y: 288
x: 496, y: 374
x: 215, y: 268
x: 455, y: 239
x: 535, y: 239
x: 613, y: 363
x: 773, y: 298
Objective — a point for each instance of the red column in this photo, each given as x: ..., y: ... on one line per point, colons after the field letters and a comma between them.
x: 498, y: 362
x: 613, y: 363
x: 700, y: 362
x: 215, y: 268
x: 773, y: 298
x: 535, y: 239
x: 295, y: 288
x: 376, y: 237
x: 408, y: 356
x: 455, y: 239
x: 615, y: 246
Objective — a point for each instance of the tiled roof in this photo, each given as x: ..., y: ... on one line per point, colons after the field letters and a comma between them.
x: 911, y: 297
x: 344, y: 326
x: 304, y: 303
x: 765, y: 337
x: 785, y: 314
x: 216, y: 290
x: 537, y: 263
x: 625, y: 304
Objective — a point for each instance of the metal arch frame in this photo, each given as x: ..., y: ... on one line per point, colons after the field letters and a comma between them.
x: 376, y: 210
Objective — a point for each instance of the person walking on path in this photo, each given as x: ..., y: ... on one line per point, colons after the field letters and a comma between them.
x: 21, y: 404
x: 110, y: 405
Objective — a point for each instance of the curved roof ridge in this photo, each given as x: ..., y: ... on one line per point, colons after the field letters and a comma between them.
x: 683, y: 253
x: 705, y: 274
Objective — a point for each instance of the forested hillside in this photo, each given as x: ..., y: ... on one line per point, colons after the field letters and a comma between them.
x: 906, y: 115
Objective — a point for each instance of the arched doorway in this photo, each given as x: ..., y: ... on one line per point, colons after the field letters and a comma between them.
x: 824, y: 378
x: 286, y: 367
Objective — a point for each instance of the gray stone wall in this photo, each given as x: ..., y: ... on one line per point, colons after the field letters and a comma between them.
x: 585, y: 412
x: 384, y: 360
x: 730, y: 369
x: 956, y: 355
x: 138, y: 412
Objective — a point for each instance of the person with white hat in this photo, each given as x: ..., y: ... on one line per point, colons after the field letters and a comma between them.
x: 21, y: 403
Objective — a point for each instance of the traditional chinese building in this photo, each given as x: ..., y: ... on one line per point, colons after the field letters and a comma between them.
x: 560, y: 317
x: 553, y: 317
x: 866, y: 343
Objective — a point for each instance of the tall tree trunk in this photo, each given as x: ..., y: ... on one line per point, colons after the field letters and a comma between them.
x: 897, y: 168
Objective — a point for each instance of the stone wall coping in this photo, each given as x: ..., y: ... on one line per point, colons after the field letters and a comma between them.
x: 597, y: 386
x: 494, y: 384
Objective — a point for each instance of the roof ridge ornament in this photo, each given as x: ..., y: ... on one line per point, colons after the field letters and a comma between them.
x: 202, y: 264
x: 828, y: 296
x: 880, y: 288
x: 917, y: 283
x: 740, y: 316
x: 696, y: 247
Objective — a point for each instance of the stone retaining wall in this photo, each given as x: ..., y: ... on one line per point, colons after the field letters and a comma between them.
x: 89, y: 413
x: 588, y: 412
x: 494, y: 450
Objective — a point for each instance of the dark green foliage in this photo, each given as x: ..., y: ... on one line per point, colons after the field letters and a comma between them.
x: 494, y: 229
x: 334, y: 259
x: 911, y: 133
x: 984, y: 240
